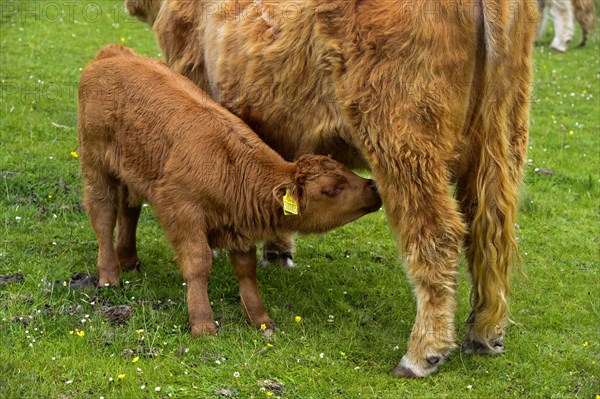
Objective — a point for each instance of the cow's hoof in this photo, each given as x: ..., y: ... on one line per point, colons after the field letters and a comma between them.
x: 203, y: 329
x: 410, y: 369
x: 274, y: 258
x: 471, y: 346
x: 558, y: 49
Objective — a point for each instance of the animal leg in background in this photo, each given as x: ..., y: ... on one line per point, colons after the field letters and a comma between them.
x: 244, y: 265
x: 562, y: 14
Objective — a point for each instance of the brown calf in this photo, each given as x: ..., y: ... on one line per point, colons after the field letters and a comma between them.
x: 146, y: 132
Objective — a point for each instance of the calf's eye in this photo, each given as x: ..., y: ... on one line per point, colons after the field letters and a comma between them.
x: 331, y: 192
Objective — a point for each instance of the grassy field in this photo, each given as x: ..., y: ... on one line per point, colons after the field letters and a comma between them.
x: 355, y: 303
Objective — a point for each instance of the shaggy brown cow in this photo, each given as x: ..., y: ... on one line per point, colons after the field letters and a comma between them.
x: 427, y: 93
x: 146, y: 132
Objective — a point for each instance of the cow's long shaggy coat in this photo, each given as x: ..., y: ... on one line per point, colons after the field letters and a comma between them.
x: 427, y: 94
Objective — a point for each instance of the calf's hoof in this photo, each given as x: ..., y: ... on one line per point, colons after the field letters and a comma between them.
x: 471, y: 346
x: 203, y: 329
x: 132, y: 265
x: 108, y: 282
x: 267, y: 325
x: 408, y: 368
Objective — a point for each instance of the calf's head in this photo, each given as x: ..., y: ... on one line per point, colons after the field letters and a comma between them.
x: 328, y: 195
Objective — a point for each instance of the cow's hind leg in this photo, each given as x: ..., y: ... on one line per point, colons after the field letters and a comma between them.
x: 101, y: 201
x: 127, y: 220
x: 488, y: 199
x: 488, y: 192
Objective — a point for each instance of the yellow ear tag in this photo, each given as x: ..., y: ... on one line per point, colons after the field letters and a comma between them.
x: 290, y: 206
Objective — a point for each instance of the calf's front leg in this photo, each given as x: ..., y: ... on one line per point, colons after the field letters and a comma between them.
x: 244, y: 265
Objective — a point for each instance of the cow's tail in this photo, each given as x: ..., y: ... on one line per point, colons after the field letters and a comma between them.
x: 503, y: 127
x: 585, y: 13
x: 114, y: 50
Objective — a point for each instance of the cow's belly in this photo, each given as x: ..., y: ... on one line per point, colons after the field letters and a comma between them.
x: 258, y: 67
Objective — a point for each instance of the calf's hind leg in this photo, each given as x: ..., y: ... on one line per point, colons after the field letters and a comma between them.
x: 127, y: 220
x: 244, y: 265
x: 100, y: 200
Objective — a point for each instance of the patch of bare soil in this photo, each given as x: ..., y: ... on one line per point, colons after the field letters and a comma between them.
x: 13, y: 278
x: 80, y: 280
x: 118, y: 314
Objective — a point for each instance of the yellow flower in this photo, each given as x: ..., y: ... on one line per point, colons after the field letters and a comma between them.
x: 263, y: 327
x: 123, y: 40
x: 269, y: 393
x: 571, y: 132
x: 141, y: 330
x: 71, y: 332
x: 74, y: 154
x: 80, y: 333
x: 135, y: 359
x: 298, y: 319
x: 269, y: 345
x: 121, y: 376
x: 49, y: 197
x: 597, y: 396
x: 585, y: 343
x: 343, y: 354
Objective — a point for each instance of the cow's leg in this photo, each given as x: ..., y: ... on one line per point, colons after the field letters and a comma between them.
x: 244, y: 265
x: 279, y: 252
x: 421, y: 210
x: 101, y: 202
x: 488, y: 197
x: 488, y: 193
x: 127, y: 221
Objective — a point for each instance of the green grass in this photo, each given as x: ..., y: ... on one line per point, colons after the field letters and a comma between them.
x: 352, y: 273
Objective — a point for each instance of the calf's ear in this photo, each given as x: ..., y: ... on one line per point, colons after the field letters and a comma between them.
x: 287, y: 189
